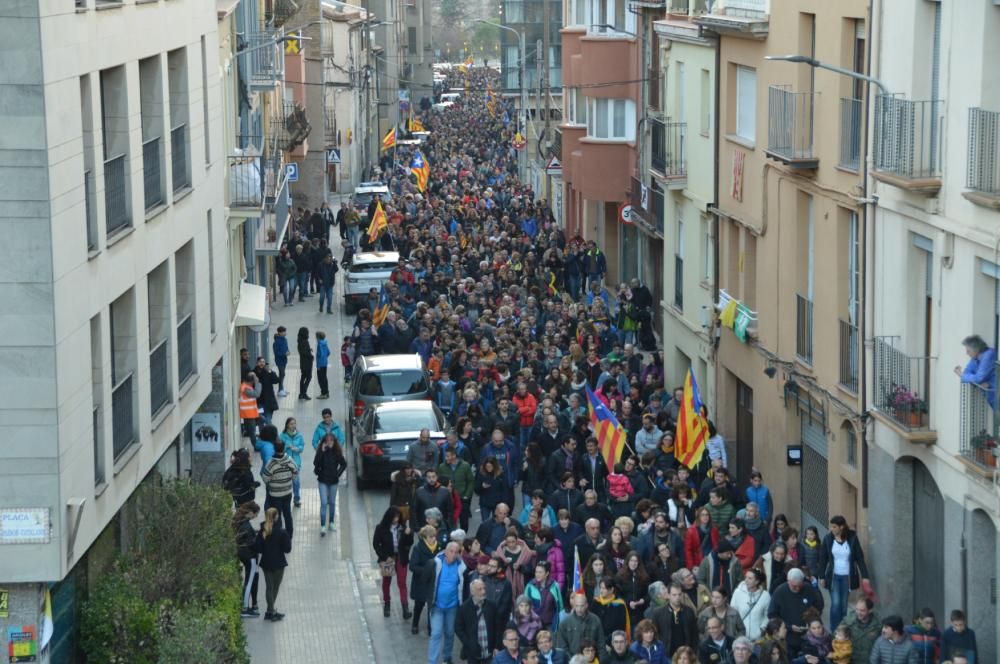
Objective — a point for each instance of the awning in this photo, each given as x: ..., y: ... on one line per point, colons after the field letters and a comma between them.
x: 252, y: 308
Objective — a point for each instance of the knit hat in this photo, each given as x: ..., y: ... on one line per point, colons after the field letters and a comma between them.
x: 724, y: 547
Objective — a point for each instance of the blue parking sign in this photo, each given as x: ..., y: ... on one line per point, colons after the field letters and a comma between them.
x: 292, y: 171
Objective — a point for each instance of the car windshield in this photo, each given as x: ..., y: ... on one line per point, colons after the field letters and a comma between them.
x: 390, y: 421
x: 393, y: 383
x: 362, y: 200
x: 359, y: 268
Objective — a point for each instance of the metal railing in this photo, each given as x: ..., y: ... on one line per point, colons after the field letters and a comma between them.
x: 653, y: 87
x: 246, y: 181
x: 159, y: 378
x: 804, y: 328
x: 658, y: 209
x: 122, y: 416
x: 185, y: 348
x: 678, y: 282
x: 790, y: 123
x: 849, y: 353
x: 115, y: 194
x: 289, y: 125
x: 668, y: 147
x: 984, y: 151
x: 908, y: 137
x: 179, y: 157
x: 652, y: 214
x: 690, y: 7
x: 851, y: 127
x: 979, y: 435
x: 273, y: 223
x: 900, y: 389
x: 88, y: 206
x: 152, y: 189
x: 265, y: 59
x: 750, y: 8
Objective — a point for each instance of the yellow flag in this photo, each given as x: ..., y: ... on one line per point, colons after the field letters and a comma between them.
x: 728, y: 315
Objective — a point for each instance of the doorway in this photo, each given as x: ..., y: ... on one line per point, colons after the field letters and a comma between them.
x: 744, y: 433
x: 928, y: 545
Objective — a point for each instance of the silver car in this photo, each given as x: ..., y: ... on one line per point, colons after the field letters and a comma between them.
x: 386, y: 378
x: 384, y: 433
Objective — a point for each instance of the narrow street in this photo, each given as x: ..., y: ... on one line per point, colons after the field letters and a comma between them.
x: 331, y: 593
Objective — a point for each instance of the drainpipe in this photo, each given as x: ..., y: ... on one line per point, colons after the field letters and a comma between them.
x: 713, y: 207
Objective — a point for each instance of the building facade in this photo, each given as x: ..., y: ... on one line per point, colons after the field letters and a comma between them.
x: 677, y: 192
x: 601, y: 103
x: 935, y: 280
x: 789, y: 210
x: 117, y: 324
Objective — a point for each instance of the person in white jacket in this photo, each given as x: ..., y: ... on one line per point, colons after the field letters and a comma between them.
x: 751, y: 600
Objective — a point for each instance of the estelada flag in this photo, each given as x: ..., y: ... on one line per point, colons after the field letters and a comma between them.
x: 609, y: 433
x: 389, y: 140
x: 378, y: 223
x: 421, y: 169
x: 577, y: 573
x: 692, y: 429
x: 383, y: 307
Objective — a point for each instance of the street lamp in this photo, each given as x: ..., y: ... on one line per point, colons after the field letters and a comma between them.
x: 813, y: 62
x: 524, y: 97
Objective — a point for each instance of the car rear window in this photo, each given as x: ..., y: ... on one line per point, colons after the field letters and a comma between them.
x: 393, y: 383
x: 405, y: 420
x: 361, y: 268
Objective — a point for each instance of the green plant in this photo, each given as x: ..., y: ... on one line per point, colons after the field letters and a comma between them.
x: 902, y: 399
x: 984, y: 441
x: 175, y: 597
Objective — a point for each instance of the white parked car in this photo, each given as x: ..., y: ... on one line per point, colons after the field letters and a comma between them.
x: 369, y: 269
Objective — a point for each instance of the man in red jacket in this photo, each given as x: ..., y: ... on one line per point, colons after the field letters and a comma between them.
x: 526, y: 405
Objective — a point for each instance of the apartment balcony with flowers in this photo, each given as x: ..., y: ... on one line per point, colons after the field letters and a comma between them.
x: 979, y: 429
x: 901, y: 390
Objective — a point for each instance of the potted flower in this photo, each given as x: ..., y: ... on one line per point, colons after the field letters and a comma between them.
x: 984, y: 446
x: 907, y: 406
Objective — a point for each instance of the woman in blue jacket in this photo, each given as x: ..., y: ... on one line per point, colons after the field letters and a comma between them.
x: 294, y: 444
x: 980, y: 370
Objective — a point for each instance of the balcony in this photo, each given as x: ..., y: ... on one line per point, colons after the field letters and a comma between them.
x: 650, y: 214
x: 983, y: 177
x: 804, y: 329
x: 979, y: 433
x: 273, y: 222
x: 289, y: 126
x: 151, y: 180
x: 900, y: 393
x: 668, y: 157
x: 159, y: 378
x: 185, y: 349
x: 908, y: 143
x: 327, y: 39
x: 264, y: 60
x: 746, y: 321
x: 790, y: 127
x: 851, y: 128
x: 253, y: 179
x: 689, y: 7
x: 747, y: 19
x: 116, y: 204
x: 122, y: 417
x: 330, y: 125
x: 179, y: 156
x: 849, y: 356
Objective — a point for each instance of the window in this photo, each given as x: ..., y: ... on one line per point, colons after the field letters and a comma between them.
x: 97, y: 398
x: 853, y: 270
x: 514, y: 11
x: 746, y: 103
x: 679, y: 267
x: 707, y: 255
x: 578, y: 12
x: 612, y: 119
x: 576, y: 107
x: 611, y: 16
x: 211, y: 274
x: 850, y: 446
x: 204, y: 99
x: 411, y: 41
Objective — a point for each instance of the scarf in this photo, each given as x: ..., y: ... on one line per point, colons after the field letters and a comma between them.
x: 735, y: 541
x: 528, y: 626
x: 614, y: 600
x: 752, y: 524
x: 705, y: 533
x: 811, y: 545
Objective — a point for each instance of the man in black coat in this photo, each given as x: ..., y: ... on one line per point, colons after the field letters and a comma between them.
x: 267, y: 401
x: 567, y: 496
x: 675, y: 622
x: 431, y: 494
x: 789, y: 602
x: 478, y: 625
x: 717, y: 646
x: 562, y: 461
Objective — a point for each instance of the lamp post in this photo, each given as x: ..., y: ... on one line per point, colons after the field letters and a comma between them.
x: 522, y: 159
x: 813, y: 62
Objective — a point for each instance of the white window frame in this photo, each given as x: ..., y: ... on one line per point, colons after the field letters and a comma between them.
x: 575, y: 100
x: 596, y: 17
x: 604, y: 109
x: 746, y: 108
x: 579, y: 10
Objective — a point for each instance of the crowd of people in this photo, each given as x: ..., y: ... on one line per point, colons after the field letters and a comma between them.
x: 639, y: 560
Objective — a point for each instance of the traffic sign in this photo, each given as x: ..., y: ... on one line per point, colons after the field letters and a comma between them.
x: 553, y: 167
x: 292, y: 171
x: 625, y: 213
x: 333, y: 156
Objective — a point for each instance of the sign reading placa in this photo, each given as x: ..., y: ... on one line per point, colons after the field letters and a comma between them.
x: 24, y: 525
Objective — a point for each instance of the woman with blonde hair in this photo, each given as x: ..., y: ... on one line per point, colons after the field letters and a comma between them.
x: 273, y: 542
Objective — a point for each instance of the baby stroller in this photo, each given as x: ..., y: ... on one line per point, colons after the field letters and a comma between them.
x: 348, y: 256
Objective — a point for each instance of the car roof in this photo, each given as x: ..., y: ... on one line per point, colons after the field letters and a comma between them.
x: 376, y: 257
x: 398, y: 361
x: 415, y: 404
x: 370, y: 188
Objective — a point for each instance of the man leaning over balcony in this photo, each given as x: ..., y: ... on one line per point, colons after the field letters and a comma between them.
x: 981, y: 368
